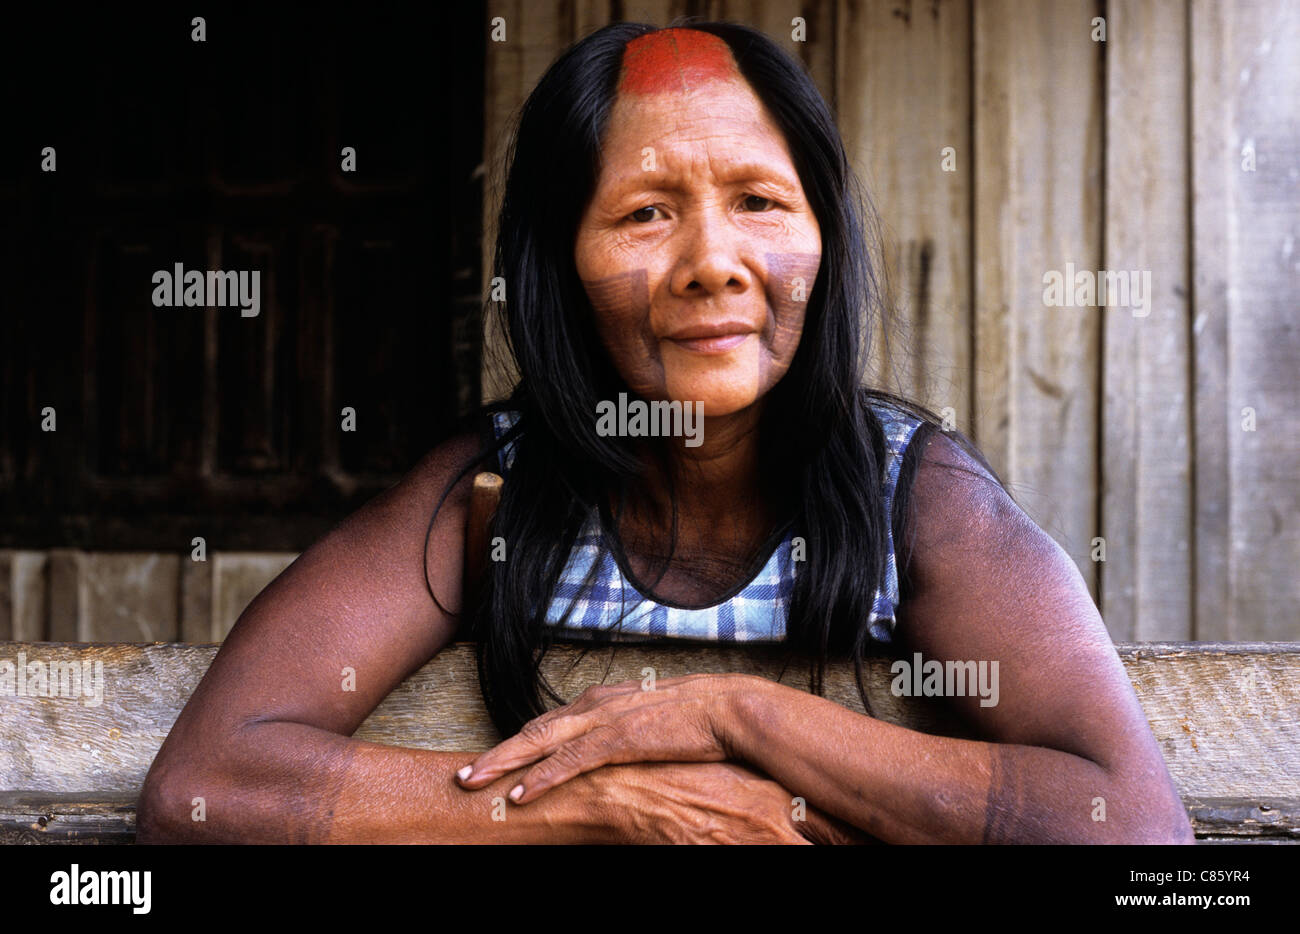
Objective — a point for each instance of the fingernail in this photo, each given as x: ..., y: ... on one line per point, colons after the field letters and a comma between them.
x: 516, y: 792
x: 465, y: 772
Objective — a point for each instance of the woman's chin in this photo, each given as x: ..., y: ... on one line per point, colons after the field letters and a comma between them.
x: 714, y: 397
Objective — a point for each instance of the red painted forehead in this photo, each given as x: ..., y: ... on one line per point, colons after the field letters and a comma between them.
x: 674, y: 60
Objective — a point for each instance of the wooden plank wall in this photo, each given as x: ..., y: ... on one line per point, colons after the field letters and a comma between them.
x: 1173, y: 147
x: 1124, y: 154
x: 66, y: 595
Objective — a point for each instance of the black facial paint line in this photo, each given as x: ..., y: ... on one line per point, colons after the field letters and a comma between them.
x: 788, y: 313
x: 620, y: 302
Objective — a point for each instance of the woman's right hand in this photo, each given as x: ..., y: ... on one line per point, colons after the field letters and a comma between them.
x: 705, y: 802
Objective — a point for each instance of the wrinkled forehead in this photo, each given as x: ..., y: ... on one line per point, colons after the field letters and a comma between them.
x: 675, y: 60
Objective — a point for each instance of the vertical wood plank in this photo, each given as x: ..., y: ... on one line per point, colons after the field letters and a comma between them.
x: 776, y: 19
x: 1264, y: 317
x: 1246, y: 185
x: 1146, y: 580
x: 196, y: 601
x: 588, y: 16
x: 1038, y: 166
x: 773, y: 18
x: 821, y: 49
x: 129, y: 597
x: 6, y: 595
x: 113, y: 596
x: 654, y: 12
x: 1212, y: 162
x: 535, y: 35
x: 29, y: 583
x: 67, y: 597
x: 903, y: 88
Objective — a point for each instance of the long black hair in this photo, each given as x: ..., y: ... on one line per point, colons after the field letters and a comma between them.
x: 563, y: 469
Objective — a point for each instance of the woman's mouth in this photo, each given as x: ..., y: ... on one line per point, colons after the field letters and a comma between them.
x: 710, y: 344
x: 712, y: 338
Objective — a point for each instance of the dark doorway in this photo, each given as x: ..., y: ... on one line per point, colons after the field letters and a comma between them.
x: 227, y: 154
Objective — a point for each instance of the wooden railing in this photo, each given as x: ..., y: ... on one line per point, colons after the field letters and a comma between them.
x: 1226, y: 716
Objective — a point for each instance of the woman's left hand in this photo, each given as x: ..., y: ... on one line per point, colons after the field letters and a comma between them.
x: 676, y: 720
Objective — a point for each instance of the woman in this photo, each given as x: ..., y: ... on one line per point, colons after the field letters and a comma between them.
x: 679, y: 226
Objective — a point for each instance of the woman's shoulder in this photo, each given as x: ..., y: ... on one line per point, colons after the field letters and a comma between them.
x: 959, y: 506
x: 447, y: 468
x: 948, y: 495
x: 445, y: 460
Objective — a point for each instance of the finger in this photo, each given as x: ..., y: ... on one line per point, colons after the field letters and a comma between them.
x: 542, y: 735
x: 538, y: 738
x: 627, y: 687
x: 823, y: 829
x: 787, y: 835
x: 601, y: 746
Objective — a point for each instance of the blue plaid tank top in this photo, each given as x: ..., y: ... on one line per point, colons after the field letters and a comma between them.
x: 586, y: 603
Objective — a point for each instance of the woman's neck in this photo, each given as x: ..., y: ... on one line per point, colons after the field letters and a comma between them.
x: 717, y: 486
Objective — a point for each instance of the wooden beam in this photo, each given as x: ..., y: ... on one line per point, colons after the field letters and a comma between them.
x: 1225, y: 716
x: 28, y: 817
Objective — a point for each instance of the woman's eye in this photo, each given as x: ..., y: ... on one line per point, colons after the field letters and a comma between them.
x: 764, y: 202
x: 640, y: 211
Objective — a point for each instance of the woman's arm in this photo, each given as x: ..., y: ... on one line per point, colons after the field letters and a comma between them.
x: 300, y: 784
x: 1067, y: 739
x: 265, y: 739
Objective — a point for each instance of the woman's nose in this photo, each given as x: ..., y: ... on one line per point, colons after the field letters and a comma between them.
x: 711, y: 255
